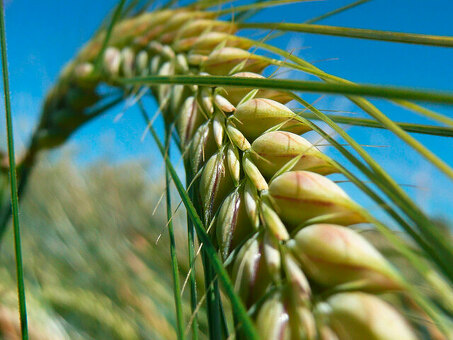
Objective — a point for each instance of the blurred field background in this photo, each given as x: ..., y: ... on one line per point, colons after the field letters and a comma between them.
x: 93, y: 267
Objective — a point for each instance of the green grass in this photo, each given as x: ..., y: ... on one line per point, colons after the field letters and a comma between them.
x: 13, y: 181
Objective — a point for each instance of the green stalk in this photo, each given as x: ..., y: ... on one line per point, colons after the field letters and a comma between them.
x: 192, y: 278
x: 336, y: 11
x: 211, y: 301
x: 258, y: 5
x: 13, y: 181
x: 174, y: 259
x: 360, y: 33
x: 377, y: 91
x: 409, y: 127
x: 425, y: 112
x: 116, y: 16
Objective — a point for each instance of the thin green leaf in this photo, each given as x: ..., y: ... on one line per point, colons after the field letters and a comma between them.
x: 116, y: 16
x: 425, y: 112
x: 336, y: 11
x: 169, y: 4
x: 360, y: 33
x: 258, y: 5
x: 13, y: 181
x: 299, y: 85
x: 287, y: 166
x: 248, y: 96
x: 212, y: 307
x: 174, y: 259
x: 203, y: 4
x: 409, y: 127
x: 192, y: 278
x: 129, y: 9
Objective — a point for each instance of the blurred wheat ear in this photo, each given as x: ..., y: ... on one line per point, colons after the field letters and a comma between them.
x: 282, y: 247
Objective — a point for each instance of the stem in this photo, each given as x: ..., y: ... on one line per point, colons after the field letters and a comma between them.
x: 336, y: 11
x: 390, y: 92
x: 192, y: 278
x: 174, y: 260
x: 13, y: 181
x: 399, y: 37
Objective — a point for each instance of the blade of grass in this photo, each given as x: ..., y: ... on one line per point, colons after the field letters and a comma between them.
x: 415, y: 144
x: 360, y: 33
x: 116, y: 16
x: 390, y: 92
x: 336, y: 11
x: 242, y: 16
x: 192, y: 278
x: 169, y: 4
x: 425, y: 112
x: 203, y: 4
x: 13, y: 180
x: 174, y: 260
x: 128, y: 8
x: 144, y: 7
x: 212, y: 307
x: 259, y: 5
x: 222, y: 274
x: 409, y: 127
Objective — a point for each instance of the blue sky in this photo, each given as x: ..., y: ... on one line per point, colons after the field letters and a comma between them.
x: 43, y: 35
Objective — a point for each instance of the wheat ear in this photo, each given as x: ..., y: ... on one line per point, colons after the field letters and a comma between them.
x: 278, y: 222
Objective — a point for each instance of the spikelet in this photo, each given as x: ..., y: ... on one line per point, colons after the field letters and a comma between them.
x: 188, y: 120
x: 202, y: 146
x: 357, y: 316
x: 215, y: 184
x: 205, y: 43
x: 236, y: 94
x: 195, y: 28
x: 232, y: 223
x: 223, y: 60
x: 256, y: 116
x: 273, y: 320
x: 250, y: 274
x: 332, y: 255
x: 300, y: 196
x: 272, y: 150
